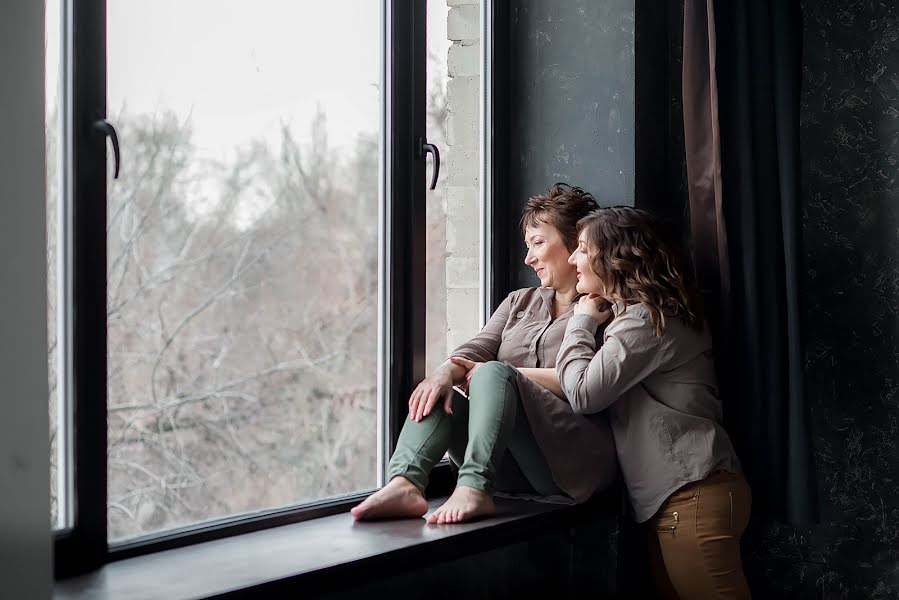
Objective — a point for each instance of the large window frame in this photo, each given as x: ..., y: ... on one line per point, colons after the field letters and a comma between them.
x: 83, y: 546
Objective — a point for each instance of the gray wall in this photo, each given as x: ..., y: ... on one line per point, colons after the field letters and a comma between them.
x: 571, y: 99
x: 25, y: 570
x: 850, y: 164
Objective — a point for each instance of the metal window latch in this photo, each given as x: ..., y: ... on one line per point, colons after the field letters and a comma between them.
x: 106, y: 128
x: 423, y: 148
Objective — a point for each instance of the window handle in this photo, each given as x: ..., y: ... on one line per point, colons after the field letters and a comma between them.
x: 423, y: 148
x: 106, y: 128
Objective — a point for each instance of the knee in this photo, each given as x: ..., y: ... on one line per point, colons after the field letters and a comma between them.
x: 494, y: 371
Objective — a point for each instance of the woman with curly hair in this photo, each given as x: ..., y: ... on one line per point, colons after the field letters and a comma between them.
x: 653, y: 373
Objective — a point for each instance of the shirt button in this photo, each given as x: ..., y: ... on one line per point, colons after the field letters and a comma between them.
x: 520, y: 314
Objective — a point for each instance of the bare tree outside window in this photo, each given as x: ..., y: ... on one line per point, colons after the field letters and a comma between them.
x: 242, y: 297
x: 242, y: 340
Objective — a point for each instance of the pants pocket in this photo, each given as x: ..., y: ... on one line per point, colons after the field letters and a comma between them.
x: 667, y: 522
x: 676, y: 512
x: 731, y: 496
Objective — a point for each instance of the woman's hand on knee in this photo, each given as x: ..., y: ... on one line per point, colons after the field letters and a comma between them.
x: 426, y: 395
x: 469, y: 365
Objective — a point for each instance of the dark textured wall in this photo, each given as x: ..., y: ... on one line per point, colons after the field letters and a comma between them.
x: 850, y: 162
x: 850, y: 152
x: 571, y: 103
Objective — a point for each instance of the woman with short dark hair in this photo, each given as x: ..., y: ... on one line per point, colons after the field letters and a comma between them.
x: 513, y: 433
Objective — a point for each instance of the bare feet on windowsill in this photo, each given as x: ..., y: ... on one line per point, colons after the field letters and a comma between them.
x: 465, y: 504
x: 399, y: 498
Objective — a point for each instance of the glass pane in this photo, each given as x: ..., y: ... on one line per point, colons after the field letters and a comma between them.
x: 52, y: 37
x: 453, y: 212
x: 242, y: 257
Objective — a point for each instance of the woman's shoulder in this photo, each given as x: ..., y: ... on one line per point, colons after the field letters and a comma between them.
x: 634, y: 319
x: 635, y: 313
x: 637, y: 319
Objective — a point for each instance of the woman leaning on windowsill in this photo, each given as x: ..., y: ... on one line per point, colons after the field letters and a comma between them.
x: 654, y: 375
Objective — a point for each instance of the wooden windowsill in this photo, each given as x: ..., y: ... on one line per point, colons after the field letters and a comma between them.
x: 326, y: 553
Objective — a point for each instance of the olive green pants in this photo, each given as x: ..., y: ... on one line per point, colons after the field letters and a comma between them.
x: 488, y: 437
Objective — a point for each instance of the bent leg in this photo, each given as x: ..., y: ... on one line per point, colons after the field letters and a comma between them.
x: 529, y: 457
x: 492, y: 411
x: 420, y: 446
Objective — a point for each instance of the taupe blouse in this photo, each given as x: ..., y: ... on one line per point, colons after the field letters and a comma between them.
x: 661, y: 395
x: 578, y: 448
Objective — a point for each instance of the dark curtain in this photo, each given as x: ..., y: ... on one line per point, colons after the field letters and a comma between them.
x: 742, y: 78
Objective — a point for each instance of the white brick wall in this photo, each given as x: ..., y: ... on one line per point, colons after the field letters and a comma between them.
x: 463, y: 23
x: 462, y: 193
x: 463, y: 58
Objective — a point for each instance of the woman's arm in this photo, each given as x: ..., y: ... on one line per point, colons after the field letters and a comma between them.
x: 548, y: 378
x: 592, y: 380
x: 439, y: 385
x: 484, y: 346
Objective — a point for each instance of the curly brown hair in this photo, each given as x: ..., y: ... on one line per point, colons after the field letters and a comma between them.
x: 562, y: 206
x: 635, y: 262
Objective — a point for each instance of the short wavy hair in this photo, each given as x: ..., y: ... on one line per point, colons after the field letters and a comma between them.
x: 636, y: 262
x: 562, y: 206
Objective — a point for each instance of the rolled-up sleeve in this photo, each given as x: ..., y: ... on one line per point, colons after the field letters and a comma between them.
x: 484, y: 346
x: 593, y: 379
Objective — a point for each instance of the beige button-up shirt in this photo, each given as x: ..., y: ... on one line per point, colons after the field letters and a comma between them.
x: 579, y: 449
x: 661, y: 395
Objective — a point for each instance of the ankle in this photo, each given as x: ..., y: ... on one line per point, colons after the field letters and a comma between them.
x: 476, y: 484
x: 404, y: 484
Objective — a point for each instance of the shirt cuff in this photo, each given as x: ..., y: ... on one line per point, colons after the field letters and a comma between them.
x: 581, y: 321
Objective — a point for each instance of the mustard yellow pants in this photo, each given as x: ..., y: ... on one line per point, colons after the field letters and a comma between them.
x: 694, y: 539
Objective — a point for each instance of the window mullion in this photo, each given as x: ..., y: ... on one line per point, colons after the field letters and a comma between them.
x: 84, y: 546
x: 405, y: 210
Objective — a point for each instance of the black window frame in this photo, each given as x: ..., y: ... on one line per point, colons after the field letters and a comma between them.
x: 83, y: 546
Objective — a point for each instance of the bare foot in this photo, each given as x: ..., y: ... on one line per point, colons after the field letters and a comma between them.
x: 399, y: 498
x: 465, y: 504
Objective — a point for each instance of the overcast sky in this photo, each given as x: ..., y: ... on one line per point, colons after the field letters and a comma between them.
x: 240, y: 69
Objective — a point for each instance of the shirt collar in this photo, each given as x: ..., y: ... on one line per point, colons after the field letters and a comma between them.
x: 619, y: 307
x: 548, y: 295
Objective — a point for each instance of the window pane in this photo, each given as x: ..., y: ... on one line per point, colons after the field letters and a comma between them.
x: 453, y: 211
x: 57, y: 466
x: 242, y: 257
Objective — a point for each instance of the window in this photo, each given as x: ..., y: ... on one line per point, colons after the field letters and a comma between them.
x: 237, y: 310
x: 242, y: 249
x: 56, y: 285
